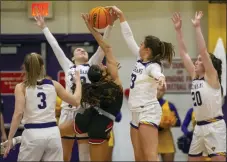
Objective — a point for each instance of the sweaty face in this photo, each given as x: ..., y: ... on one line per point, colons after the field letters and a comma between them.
x: 199, y: 68
x: 80, y: 55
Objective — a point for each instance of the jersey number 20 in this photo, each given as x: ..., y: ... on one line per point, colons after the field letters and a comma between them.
x: 196, y: 97
x: 43, y: 103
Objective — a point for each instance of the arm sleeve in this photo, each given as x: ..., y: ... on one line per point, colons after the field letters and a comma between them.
x: 129, y: 38
x: 99, y: 54
x: 186, y: 122
x: 64, y: 62
x: 154, y: 70
x: 173, y: 108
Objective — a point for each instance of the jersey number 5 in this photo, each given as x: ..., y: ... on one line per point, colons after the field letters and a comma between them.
x: 43, y: 104
x: 133, y: 79
x: 196, y: 97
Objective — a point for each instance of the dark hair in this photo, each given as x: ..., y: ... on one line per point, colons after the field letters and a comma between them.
x: 95, y: 73
x: 34, y: 69
x: 95, y: 93
x: 217, y: 63
x: 160, y: 50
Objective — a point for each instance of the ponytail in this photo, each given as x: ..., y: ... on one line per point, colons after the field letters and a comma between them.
x: 167, y: 51
x: 160, y: 50
x: 34, y: 69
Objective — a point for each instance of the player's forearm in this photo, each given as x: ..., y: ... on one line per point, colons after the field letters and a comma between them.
x: 181, y: 43
x: 78, y: 92
x: 15, y: 124
x: 99, y: 39
x: 129, y: 38
x: 99, y: 54
x: 201, y: 44
x: 60, y: 55
x: 2, y: 124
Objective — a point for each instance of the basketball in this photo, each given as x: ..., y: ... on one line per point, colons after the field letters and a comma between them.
x: 99, y: 17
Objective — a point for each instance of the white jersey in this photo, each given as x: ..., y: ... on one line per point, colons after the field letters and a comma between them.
x: 70, y: 85
x: 143, y: 87
x: 207, y: 101
x: 40, y: 103
x: 69, y: 68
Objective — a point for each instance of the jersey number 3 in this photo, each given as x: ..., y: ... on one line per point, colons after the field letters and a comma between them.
x: 43, y: 103
x: 133, y: 79
x: 196, y: 97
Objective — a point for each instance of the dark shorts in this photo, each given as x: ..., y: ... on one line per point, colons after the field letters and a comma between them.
x: 97, y: 126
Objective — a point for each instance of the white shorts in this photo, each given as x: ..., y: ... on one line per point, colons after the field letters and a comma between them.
x: 42, y: 144
x: 152, y: 115
x: 69, y: 115
x: 209, y: 139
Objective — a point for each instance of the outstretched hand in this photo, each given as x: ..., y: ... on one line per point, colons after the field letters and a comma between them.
x: 196, y: 20
x: 115, y: 10
x: 40, y: 21
x: 177, y: 21
x: 85, y: 17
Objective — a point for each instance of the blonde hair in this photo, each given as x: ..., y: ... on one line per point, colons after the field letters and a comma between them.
x: 34, y: 69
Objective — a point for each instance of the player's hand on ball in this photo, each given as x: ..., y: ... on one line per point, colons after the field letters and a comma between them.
x: 113, y: 17
x: 115, y: 10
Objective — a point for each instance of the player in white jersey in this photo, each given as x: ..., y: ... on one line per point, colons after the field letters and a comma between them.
x: 35, y: 101
x: 80, y: 59
x: 209, y: 136
x: 143, y: 103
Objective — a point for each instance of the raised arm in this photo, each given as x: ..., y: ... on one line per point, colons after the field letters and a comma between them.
x: 112, y: 64
x: 210, y: 71
x: 126, y: 31
x: 67, y: 97
x: 181, y: 45
x: 99, y: 54
x: 64, y: 62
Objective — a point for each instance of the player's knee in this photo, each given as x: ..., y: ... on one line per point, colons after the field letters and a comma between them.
x: 97, y: 136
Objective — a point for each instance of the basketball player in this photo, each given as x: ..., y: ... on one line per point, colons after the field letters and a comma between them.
x: 145, y: 77
x: 209, y: 135
x: 80, y: 59
x: 104, y: 95
x: 35, y: 101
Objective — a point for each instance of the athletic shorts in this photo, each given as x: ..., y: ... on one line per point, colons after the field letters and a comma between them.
x: 151, y: 116
x: 209, y: 139
x: 68, y: 115
x: 97, y: 126
x: 41, y: 144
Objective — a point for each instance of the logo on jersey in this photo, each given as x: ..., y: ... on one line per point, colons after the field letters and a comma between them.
x: 138, y: 70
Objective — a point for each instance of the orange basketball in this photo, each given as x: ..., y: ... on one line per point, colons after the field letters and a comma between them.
x: 99, y: 17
